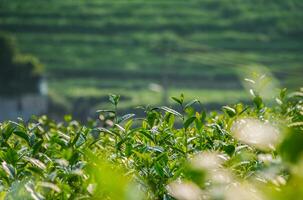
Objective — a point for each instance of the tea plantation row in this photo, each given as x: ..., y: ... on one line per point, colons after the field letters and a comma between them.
x: 192, y: 44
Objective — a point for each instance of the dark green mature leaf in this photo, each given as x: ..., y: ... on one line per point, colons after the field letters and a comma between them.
x: 258, y: 102
x: 7, y: 132
x: 10, y: 155
x: 32, y: 139
x: 162, y: 157
x: 178, y: 150
x: 177, y: 100
x: 76, y: 138
x: 22, y: 135
x: 60, y: 141
x: 151, y: 118
x: 159, y: 169
x: 229, y: 149
x: 36, y: 147
x: 74, y: 158
x: 147, y: 134
x: 189, y: 121
x: 291, y: 148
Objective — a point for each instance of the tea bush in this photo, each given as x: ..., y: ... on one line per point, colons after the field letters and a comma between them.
x: 244, y: 152
x: 19, y: 73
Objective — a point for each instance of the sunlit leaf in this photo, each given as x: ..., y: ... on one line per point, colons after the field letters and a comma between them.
x: 169, y: 110
x: 9, y: 169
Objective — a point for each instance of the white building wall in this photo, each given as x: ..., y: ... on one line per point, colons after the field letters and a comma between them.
x: 29, y: 105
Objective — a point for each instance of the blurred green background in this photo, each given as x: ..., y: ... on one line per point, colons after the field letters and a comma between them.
x: 148, y: 50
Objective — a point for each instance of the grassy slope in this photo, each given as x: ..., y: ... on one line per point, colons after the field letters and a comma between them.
x: 110, y: 42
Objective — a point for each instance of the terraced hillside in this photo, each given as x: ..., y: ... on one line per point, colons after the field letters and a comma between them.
x: 94, y: 47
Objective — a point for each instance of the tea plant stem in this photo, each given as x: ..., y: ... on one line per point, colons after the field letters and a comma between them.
x: 185, y: 142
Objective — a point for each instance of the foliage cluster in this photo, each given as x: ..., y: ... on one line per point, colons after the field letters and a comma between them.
x: 245, y: 152
x: 19, y: 73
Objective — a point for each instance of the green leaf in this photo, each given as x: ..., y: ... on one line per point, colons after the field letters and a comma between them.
x: 156, y: 149
x: 198, y: 124
x: 74, y: 158
x: 36, y: 170
x: 114, y: 99
x: 31, y: 139
x: 189, y: 140
x: 22, y: 135
x: 177, y: 100
x: 229, y: 111
x: 104, y: 130
x: 119, y: 144
x: 283, y: 93
x: 76, y: 138
x: 151, y: 118
x: 68, y: 118
x: 258, y: 102
x: 169, y: 110
x: 191, y: 103
x: 128, y: 125
x: 51, y: 186
x: 182, y: 97
x: 125, y: 117
x: 10, y: 156
x: 171, y: 120
x: 8, y: 131
x: 35, y: 195
x: 189, y: 121
x: 105, y: 111
x: 229, y: 149
x: 178, y: 150
x: 190, y: 111
x: 36, y: 162
x: 81, y: 140
x: 9, y: 169
x: 203, y: 116
x: 291, y: 148
x: 147, y: 134
x: 36, y: 147
x: 101, y: 129
x: 120, y: 127
x: 159, y: 169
